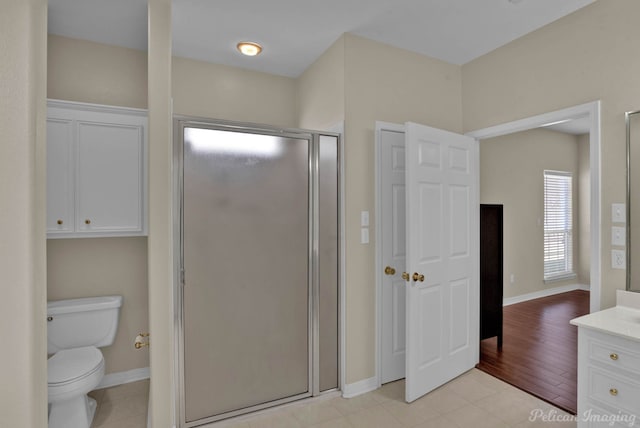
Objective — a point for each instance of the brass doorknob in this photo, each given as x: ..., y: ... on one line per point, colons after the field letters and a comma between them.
x: 614, y: 357
x: 389, y: 270
x: 418, y: 277
x: 613, y: 391
x: 405, y: 276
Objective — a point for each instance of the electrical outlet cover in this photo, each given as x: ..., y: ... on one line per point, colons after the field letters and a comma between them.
x: 618, y: 259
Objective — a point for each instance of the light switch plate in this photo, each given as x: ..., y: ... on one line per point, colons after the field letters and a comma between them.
x: 364, y: 235
x: 364, y: 218
x: 618, y: 213
x: 618, y: 236
x: 618, y: 259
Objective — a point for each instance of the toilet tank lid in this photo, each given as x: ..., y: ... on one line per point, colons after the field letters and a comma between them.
x: 57, y: 307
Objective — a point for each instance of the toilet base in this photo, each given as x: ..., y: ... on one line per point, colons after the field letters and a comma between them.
x: 76, y: 412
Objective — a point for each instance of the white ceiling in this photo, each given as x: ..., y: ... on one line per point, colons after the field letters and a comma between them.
x: 294, y: 33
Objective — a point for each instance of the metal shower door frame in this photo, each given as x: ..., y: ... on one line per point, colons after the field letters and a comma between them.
x: 179, y: 124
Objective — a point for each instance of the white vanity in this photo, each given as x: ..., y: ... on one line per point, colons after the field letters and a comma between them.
x: 609, y: 365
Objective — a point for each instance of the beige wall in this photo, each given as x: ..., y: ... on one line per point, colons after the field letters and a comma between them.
x: 320, y: 96
x: 362, y: 81
x: 222, y: 92
x: 511, y: 174
x: 23, y: 372
x: 90, y: 267
x: 91, y: 72
x: 584, y: 210
x: 393, y: 85
x: 83, y: 71
x: 585, y: 56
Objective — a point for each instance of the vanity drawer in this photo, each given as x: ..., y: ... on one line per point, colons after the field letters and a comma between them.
x: 615, y: 391
x: 596, y: 417
x: 614, y: 356
x: 614, y: 352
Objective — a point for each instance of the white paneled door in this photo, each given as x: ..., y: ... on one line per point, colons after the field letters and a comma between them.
x: 393, y: 246
x: 442, y: 220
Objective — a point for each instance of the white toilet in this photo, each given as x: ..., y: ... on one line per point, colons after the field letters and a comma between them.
x: 75, y: 330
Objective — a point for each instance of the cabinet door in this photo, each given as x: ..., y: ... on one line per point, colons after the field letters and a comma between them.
x: 110, y: 174
x: 60, y: 174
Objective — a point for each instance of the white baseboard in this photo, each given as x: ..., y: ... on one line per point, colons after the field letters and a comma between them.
x: 120, y: 378
x: 543, y: 293
x: 361, y: 387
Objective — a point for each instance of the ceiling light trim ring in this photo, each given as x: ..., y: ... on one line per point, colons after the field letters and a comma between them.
x: 249, y: 48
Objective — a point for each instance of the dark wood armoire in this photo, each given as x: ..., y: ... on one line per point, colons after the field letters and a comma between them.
x: 491, y: 277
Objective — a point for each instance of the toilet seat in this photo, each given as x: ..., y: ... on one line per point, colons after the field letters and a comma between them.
x: 74, y: 371
x: 71, y: 365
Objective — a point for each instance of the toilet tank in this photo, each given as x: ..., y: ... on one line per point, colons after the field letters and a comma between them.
x: 90, y: 321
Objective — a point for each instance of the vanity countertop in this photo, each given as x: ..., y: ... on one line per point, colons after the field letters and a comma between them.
x: 622, y: 320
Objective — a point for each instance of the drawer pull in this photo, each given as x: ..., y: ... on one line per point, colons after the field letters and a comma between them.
x: 614, y: 357
x: 613, y: 392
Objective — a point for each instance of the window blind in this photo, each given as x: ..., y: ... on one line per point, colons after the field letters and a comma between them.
x: 558, y: 242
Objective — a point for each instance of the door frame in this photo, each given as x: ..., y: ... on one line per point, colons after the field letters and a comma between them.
x: 589, y: 110
x: 178, y: 393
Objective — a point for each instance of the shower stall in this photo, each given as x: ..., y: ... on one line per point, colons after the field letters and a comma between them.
x: 258, y: 293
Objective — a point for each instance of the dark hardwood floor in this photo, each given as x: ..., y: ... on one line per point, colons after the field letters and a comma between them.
x: 539, y: 349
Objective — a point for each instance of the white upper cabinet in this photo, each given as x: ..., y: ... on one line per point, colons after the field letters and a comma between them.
x: 96, y: 170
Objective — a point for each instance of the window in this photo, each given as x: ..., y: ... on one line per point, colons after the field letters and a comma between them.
x: 558, y: 242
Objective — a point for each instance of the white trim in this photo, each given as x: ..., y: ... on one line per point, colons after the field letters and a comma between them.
x: 543, y: 293
x: 532, y: 122
x: 101, y: 108
x: 560, y: 277
x: 361, y: 387
x: 592, y: 111
x: 394, y: 127
x: 120, y: 378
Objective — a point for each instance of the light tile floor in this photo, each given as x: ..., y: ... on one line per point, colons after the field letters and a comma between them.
x: 123, y: 406
x: 473, y: 400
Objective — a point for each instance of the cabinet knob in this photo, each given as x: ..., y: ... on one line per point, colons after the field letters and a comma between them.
x: 418, y: 277
x: 405, y: 276
x: 87, y: 221
x: 614, y: 357
x: 59, y: 222
x: 389, y: 270
x: 613, y: 392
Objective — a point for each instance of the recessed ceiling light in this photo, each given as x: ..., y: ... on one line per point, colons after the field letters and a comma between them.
x: 249, y: 48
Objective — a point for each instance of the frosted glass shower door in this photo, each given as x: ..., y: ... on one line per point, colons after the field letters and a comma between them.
x: 246, y: 256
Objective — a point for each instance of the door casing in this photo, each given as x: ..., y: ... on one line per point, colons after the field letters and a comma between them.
x: 589, y: 110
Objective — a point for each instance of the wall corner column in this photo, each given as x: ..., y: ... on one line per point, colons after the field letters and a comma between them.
x: 23, y: 91
x: 160, y: 243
